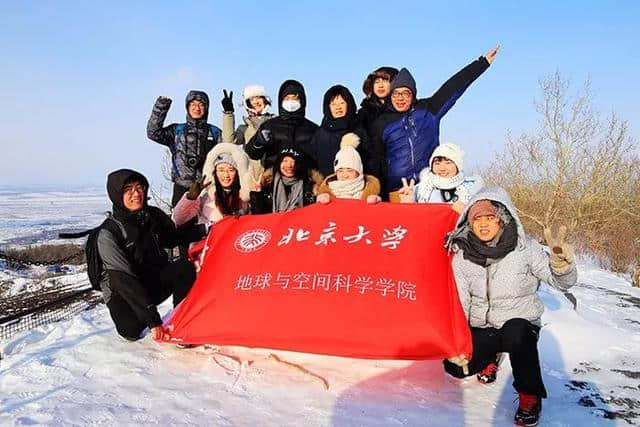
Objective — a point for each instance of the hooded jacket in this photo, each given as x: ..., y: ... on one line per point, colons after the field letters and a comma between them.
x: 506, y: 289
x: 131, y: 267
x: 289, y: 129
x: 204, y: 207
x: 403, y: 142
x: 326, y: 140
x: 188, y: 142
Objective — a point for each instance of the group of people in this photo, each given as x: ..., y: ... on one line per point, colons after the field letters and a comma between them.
x: 387, y: 150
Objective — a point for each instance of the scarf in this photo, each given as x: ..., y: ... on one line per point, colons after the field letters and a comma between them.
x: 283, y: 202
x: 348, y: 189
x: 479, y: 252
x: 452, y: 188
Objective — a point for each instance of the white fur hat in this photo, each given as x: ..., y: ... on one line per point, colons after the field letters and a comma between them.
x: 348, y: 156
x: 451, y: 152
x: 254, y: 90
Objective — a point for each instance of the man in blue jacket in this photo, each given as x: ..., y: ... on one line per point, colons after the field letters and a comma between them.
x: 405, y: 136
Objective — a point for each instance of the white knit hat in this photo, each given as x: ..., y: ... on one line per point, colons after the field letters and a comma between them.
x: 451, y: 152
x: 348, y: 156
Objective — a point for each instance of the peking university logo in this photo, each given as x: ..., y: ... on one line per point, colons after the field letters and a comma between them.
x: 252, y: 240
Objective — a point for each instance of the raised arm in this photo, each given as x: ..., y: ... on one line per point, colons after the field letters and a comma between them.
x: 445, y: 97
x: 155, y: 130
x: 228, y: 118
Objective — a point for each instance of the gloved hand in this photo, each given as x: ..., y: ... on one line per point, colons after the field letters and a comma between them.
x: 227, y: 102
x: 460, y: 361
x: 562, y: 253
x: 163, y: 102
x: 196, y: 188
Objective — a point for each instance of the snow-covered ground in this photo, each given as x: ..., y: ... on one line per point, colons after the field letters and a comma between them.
x: 79, y: 372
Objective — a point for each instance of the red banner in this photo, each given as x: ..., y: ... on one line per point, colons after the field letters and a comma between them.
x: 347, y: 278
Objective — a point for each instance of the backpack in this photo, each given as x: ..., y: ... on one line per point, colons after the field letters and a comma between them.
x: 94, y: 262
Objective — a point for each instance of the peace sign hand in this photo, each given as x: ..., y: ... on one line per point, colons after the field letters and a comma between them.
x: 227, y: 101
x: 406, y: 192
x: 256, y: 184
x: 562, y: 253
x: 491, y: 55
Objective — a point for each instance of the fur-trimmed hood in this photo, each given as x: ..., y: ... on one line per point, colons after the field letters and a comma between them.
x: 242, y: 163
x: 371, y: 186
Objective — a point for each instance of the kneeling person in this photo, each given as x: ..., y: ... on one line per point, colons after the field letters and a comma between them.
x: 498, y: 270
x: 137, y: 273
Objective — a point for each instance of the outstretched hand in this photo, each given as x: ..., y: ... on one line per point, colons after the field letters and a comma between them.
x: 562, y: 253
x: 491, y: 55
x: 196, y: 188
x: 406, y: 192
x: 227, y: 101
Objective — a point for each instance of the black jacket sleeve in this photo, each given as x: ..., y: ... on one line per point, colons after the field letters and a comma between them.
x: 155, y: 130
x: 123, y: 281
x: 261, y: 143
x: 452, y: 89
x: 171, y: 236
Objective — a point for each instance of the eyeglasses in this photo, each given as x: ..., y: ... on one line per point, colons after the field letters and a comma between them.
x: 130, y: 188
x: 406, y: 94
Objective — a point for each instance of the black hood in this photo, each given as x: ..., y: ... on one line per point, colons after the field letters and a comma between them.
x: 290, y: 87
x: 115, y: 183
x: 201, y: 96
x: 328, y: 122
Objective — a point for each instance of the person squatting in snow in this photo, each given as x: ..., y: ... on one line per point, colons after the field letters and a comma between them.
x: 349, y: 180
x: 137, y: 272
x: 498, y: 270
x: 443, y: 181
x: 406, y: 134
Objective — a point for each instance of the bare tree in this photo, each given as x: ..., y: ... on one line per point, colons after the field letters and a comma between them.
x: 160, y: 191
x: 578, y: 169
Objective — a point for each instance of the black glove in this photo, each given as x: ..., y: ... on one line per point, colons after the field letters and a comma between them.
x: 196, y: 188
x: 227, y: 102
x: 163, y: 102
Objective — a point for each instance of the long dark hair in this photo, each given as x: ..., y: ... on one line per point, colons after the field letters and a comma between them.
x: 228, y: 201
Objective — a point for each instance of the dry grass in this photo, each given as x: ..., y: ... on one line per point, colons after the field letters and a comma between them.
x: 577, y: 169
x: 49, y: 254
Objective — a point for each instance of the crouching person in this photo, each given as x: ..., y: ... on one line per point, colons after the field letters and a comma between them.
x: 498, y: 270
x: 349, y: 181
x: 137, y: 274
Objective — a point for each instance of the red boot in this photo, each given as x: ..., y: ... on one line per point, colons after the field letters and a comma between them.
x: 529, y: 409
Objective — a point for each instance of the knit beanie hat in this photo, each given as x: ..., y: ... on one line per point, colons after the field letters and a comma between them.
x: 404, y: 79
x: 451, y: 152
x: 224, y: 158
x: 348, y: 156
x: 482, y: 208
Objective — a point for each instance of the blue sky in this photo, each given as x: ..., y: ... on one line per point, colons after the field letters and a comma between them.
x: 78, y: 79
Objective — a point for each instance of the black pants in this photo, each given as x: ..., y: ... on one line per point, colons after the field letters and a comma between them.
x: 519, y: 338
x: 175, y: 279
x: 178, y: 192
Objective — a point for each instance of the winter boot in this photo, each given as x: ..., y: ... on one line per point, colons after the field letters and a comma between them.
x: 529, y: 409
x: 488, y: 374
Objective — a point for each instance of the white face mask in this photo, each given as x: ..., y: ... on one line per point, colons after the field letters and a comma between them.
x: 291, y: 105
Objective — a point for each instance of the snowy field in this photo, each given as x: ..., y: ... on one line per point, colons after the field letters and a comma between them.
x: 78, y: 372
